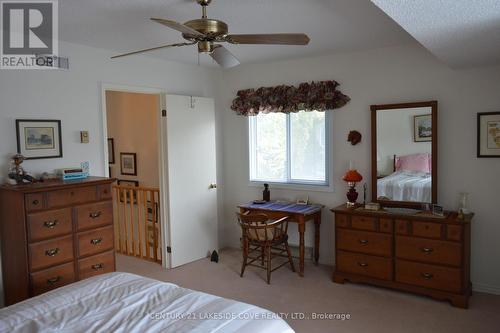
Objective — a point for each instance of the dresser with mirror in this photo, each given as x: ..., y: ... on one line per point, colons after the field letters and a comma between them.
x: 403, y: 245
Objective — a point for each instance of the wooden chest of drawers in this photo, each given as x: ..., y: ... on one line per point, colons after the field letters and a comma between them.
x: 419, y: 253
x: 53, y: 234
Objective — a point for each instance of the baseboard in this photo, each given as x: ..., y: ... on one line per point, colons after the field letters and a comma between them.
x: 485, y: 288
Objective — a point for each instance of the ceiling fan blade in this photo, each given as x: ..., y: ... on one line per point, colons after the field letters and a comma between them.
x: 224, y: 58
x: 178, y: 26
x: 151, y: 49
x: 280, y: 39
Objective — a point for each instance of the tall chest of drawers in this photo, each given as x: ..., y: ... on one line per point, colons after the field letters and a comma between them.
x: 53, y: 234
x: 422, y: 254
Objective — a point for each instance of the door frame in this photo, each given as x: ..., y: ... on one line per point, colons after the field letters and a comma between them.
x: 162, y: 158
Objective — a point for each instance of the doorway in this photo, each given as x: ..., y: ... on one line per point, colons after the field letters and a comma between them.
x: 132, y: 130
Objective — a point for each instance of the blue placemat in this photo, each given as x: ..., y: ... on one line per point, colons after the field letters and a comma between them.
x: 284, y: 207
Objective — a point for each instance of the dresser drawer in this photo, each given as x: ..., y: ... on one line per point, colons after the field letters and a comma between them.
x: 341, y: 220
x: 454, y: 232
x: 52, y: 252
x: 49, y: 224
x: 385, y: 225
x: 95, y: 265
x: 363, y: 222
x: 427, y: 229
x: 104, y: 192
x: 377, y: 267
x: 33, y: 201
x: 402, y: 227
x: 364, y: 242
x: 94, y: 215
x: 427, y: 250
x: 429, y: 276
x: 95, y: 241
x: 52, y: 278
x: 71, y: 196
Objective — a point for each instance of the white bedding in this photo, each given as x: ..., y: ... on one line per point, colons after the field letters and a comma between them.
x: 122, y: 302
x: 406, y: 186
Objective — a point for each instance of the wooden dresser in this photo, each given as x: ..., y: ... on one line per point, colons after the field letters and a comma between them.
x: 422, y: 254
x: 53, y: 234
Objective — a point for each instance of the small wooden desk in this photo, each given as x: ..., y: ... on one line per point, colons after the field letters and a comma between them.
x: 299, y: 214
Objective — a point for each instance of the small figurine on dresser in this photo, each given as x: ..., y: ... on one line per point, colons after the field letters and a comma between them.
x: 17, y: 175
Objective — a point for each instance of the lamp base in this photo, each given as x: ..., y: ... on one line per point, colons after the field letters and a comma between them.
x: 352, y: 196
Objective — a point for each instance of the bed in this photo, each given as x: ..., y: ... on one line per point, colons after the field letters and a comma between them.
x: 410, y: 181
x: 123, y: 302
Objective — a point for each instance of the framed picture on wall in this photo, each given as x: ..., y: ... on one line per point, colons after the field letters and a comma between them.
x: 38, y: 138
x: 111, y: 151
x: 488, y: 134
x: 128, y: 164
x: 422, y: 131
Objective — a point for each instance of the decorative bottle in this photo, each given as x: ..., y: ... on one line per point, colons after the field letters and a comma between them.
x: 266, y: 194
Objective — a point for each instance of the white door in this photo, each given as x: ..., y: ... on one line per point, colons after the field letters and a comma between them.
x: 192, y: 201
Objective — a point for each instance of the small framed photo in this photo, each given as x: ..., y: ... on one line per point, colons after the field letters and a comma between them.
x: 437, y: 210
x: 422, y: 131
x: 488, y: 134
x: 38, y: 138
x: 111, y: 151
x: 128, y: 164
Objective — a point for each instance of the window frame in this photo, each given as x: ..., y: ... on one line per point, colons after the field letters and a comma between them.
x: 323, y: 186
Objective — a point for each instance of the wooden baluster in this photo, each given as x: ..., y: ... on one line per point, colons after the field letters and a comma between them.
x: 146, y: 232
x: 132, y: 235
x: 141, y: 195
x: 123, y: 195
x: 155, y: 234
x: 116, y: 216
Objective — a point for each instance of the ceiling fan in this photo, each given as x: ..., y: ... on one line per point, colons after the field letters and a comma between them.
x: 208, y: 33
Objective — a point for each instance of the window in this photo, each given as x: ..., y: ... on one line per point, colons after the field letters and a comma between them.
x: 289, y: 148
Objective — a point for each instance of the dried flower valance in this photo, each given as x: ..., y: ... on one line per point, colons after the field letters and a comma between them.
x: 314, y: 96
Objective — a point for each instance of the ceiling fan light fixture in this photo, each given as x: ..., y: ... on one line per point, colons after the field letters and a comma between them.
x: 206, y: 47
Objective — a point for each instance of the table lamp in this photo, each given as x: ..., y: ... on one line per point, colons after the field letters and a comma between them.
x: 352, y: 177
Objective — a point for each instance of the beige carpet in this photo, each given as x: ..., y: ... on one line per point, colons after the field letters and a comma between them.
x: 371, y: 309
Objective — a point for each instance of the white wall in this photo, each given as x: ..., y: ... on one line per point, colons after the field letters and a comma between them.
x: 132, y: 122
x: 74, y: 97
x: 390, y: 75
x: 395, y: 129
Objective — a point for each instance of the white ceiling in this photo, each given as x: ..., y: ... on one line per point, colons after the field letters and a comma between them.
x: 462, y: 33
x: 332, y: 25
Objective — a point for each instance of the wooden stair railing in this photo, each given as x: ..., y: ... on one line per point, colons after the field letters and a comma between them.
x: 137, y: 222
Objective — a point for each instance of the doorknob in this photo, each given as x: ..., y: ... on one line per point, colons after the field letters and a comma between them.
x: 212, y: 186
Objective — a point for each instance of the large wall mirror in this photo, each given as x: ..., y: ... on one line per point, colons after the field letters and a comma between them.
x: 404, y: 153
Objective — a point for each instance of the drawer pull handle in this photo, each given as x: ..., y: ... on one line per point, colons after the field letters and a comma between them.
x: 96, y: 241
x: 427, y: 250
x: 52, y: 252
x: 54, y: 280
x: 363, y: 242
x: 95, y: 215
x: 97, y: 267
x: 35, y: 202
x: 362, y: 264
x: 50, y: 224
x: 427, y: 276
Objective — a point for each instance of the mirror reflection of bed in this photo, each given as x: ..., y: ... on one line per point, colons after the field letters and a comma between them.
x: 404, y: 154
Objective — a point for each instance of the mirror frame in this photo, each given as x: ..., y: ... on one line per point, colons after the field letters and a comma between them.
x: 434, y: 108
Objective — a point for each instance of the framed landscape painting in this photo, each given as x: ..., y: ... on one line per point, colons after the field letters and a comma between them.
x: 488, y: 134
x: 38, y: 138
x: 422, y: 128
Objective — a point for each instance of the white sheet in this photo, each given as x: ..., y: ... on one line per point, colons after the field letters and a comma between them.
x: 406, y: 186
x: 122, y: 302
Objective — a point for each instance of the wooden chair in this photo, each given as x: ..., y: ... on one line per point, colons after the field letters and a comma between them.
x: 259, y: 233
